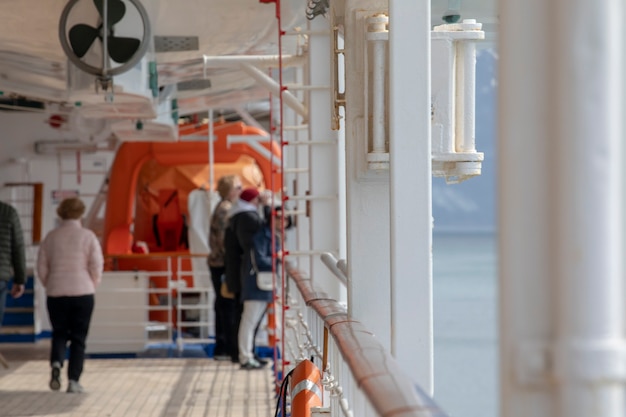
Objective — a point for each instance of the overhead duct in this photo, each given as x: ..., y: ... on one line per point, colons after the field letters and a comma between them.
x: 176, y: 43
x: 193, y: 85
x: 54, y: 147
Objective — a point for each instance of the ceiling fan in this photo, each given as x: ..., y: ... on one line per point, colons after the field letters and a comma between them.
x: 79, y: 39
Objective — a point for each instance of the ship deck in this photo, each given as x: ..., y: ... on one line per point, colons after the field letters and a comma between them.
x: 165, y: 387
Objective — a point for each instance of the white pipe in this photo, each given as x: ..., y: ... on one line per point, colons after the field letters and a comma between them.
x: 274, y: 88
x: 196, y: 104
x: 254, y: 141
x: 304, y: 253
x: 265, y: 61
x: 311, y: 142
x: 589, y: 213
x: 331, y: 262
x: 296, y: 171
x: 211, y: 151
x: 309, y: 197
x: 288, y: 128
x: 443, y: 57
x: 378, y: 116
x: 466, y: 94
x: 378, y: 35
x: 343, y: 266
x: 170, y: 73
x: 302, y: 87
x: 458, y: 106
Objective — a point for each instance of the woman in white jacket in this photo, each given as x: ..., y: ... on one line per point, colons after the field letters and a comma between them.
x: 69, y: 265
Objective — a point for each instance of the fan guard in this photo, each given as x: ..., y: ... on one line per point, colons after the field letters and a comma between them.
x: 125, y: 51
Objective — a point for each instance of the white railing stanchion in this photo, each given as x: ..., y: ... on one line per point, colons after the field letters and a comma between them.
x: 361, y: 377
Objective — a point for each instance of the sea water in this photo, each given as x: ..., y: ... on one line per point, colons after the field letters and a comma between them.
x: 465, y: 324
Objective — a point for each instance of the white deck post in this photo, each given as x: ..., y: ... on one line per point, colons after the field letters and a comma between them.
x: 367, y: 192
x: 561, y: 209
x: 410, y: 189
x: 590, y: 346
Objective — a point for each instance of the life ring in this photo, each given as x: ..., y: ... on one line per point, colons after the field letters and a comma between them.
x: 306, y: 389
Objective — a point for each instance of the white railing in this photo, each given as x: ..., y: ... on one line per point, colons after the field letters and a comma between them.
x: 128, y: 300
x: 202, y: 309
x: 360, y: 378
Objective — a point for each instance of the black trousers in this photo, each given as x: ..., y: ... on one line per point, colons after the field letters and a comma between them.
x: 70, y: 318
x: 221, y: 341
x: 4, y: 290
x: 227, y: 317
x: 234, y: 308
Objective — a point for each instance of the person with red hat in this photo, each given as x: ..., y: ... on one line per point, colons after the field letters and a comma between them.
x: 244, y: 221
x: 256, y: 297
x: 249, y: 195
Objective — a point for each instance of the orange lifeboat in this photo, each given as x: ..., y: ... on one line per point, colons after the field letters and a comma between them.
x: 142, y: 169
x: 148, y: 189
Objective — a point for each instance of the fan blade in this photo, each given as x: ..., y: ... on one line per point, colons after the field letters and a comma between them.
x: 81, y: 38
x: 115, y: 8
x: 122, y: 50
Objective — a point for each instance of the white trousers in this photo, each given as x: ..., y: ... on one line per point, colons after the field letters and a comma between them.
x: 252, y: 313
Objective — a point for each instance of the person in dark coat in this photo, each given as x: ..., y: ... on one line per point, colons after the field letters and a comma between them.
x: 244, y: 221
x: 12, y: 256
x: 255, y: 300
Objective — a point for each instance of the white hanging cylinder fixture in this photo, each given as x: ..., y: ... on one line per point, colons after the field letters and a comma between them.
x: 453, y: 101
x: 378, y: 37
x: 465, y: 109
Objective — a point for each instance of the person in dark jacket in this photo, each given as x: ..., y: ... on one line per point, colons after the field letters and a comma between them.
x: 244, y: 221
x: 12, y: 256
x: 255, y: 300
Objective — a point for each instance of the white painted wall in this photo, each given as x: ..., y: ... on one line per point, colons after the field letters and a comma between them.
x: 367, y: 192
x: 19, y: 163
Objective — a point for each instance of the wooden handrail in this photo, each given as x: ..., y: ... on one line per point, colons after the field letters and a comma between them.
x: 390, y: 391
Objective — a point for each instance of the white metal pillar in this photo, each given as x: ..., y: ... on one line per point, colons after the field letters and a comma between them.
x: 590, y: 346
x: 367, y: 191
x: 323, y: 158
x: 561, y: 208
x: 525, y: 290
x: 410, y: 189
